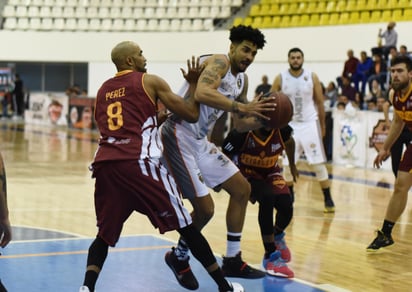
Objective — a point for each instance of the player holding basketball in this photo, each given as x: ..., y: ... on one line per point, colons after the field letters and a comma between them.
x: 304, y: 90
x: 256, y: 153
x: 401, y: 99
x: 129, y: 176
x: 198, y: 164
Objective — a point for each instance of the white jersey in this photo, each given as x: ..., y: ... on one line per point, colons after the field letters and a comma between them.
x: 300, y: 91
x: 231, y: 86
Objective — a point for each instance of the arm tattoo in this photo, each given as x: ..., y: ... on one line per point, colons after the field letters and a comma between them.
x: 211, y: 75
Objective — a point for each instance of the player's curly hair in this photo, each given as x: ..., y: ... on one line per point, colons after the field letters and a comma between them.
x: 241, y: 32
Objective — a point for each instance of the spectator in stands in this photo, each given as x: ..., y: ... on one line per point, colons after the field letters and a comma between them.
x: 348, y: 90
x: 403, y: 50
x: 331, y: 91
x: 378, y: 72
x: 373, y: 95
x: 390, y: 36
x: 264, y: 87
x: 362, y: 72
x: 349, y: 68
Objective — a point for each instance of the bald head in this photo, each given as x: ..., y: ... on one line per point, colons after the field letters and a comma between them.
x: 127, y: 55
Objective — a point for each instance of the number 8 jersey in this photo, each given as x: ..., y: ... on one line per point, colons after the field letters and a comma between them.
x: 126, y: 118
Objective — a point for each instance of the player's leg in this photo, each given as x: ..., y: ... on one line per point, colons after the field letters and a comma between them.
x: 233, y: 266
x: 110, y: 213
x: 179, y: 156
x: 273, y: 262
x: 202, y: 252
x: 396, y: 204
x: 95, y: 259
x: 315, y: 154
x: 218, y: 172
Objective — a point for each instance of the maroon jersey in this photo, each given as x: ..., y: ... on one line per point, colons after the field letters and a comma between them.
x: 126, y: 118
x: 259, y: 159
x: 403, y: 106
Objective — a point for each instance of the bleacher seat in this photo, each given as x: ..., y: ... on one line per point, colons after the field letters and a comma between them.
x: 304, y: 20
x: 254, y: 10
x: 108, y: 25
x: 284, y: 21
x: 324, y: 19
x: 92, y: 12
x: 208, y: 24
x: 141, y: 24
x: 118, y: 24
x: 257, y: 21
x: 129, y: 24
x: 33, y: 11
x: 386, y: 15
x: 334, y: 18
x: 10, y: 23
x: 276, y: 21
x: 354, y: 17
x: 94, y: 24
x: 407, y: 14
x: 9, y: 11
x: 344, y: 18
x: 22, y: 23
x: 34, y: 23
x: 186, y: 24
x: 225, y: 12
x: 68, y: 12
x: 267, y: 21
x: 164, y: 24
x: 70, y: 24
x: 314, y: 19
x: 397, y: 14
x: 82, y: 24
x: 21, y: 11
x: 46, y: 24
x: 321, y: 7
x: 365, y: 16
x: 81, y: 12
x: 59, y: 23
x: 175, y: 24
x: 56, y: 12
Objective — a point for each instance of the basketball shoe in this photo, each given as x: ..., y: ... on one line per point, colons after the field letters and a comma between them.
x: 381, y: 240
x: 236, y: 267
x: 181, y: 270
x: 282, y: 247
x: 84, y: 289
x: 329, y: 206
x: 275, y: 266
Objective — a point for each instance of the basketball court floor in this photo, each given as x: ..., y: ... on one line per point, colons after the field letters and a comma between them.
x: 50, y: 196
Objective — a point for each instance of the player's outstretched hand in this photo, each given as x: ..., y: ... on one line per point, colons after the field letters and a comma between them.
x: 194, y: 69
x: 380, y: 158
x: 257, y: 107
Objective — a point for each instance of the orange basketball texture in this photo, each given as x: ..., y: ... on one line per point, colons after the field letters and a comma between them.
x: 283, y: 113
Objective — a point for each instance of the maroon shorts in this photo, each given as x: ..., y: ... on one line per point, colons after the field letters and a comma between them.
x: 272, y: 185
x: 406, y: 161
x: 144, y: 186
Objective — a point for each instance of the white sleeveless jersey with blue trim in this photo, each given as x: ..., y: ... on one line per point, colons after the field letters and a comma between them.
x: 230, y: 86
x: 300, y: 91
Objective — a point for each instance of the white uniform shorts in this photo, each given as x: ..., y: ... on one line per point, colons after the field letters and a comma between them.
x: 196, y: 165
x: 308, y: 139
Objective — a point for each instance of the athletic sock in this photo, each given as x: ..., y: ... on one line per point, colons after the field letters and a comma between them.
x: 387, y: 227
x: 233, y: 244
x: 182, y: 250
x: 326, y: 194
x: 90, y: 280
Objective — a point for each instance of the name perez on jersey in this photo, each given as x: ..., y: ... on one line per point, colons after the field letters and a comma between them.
x: 117, y: 93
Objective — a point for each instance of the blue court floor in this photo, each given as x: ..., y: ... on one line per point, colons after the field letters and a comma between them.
x: 135, y: 264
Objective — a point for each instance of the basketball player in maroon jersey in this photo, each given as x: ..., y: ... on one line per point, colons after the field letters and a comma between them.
x: 129, y: 176
x: 256, y: 154
x: 401, y: 99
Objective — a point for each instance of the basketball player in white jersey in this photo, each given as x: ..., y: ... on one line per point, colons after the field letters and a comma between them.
x: 304, y: 90
x: 198, y: 164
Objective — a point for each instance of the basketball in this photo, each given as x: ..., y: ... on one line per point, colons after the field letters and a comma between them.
x: 283, y: 113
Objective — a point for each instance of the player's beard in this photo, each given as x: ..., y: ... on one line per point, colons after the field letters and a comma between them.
x: 398, y: 85
x: 295, y: 68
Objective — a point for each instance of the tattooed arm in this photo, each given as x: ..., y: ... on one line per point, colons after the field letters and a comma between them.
x: 5, y: 229
x: 216, y: 67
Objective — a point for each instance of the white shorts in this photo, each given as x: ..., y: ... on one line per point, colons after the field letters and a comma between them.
x: 308, y: 139
x: 196, y: 165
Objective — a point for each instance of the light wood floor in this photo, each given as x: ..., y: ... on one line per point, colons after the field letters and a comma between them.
x: 49, y: 187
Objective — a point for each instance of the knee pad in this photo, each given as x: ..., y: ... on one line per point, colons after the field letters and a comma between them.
x: 320, y: 171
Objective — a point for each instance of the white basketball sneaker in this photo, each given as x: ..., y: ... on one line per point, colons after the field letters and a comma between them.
x: 84, y: 289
